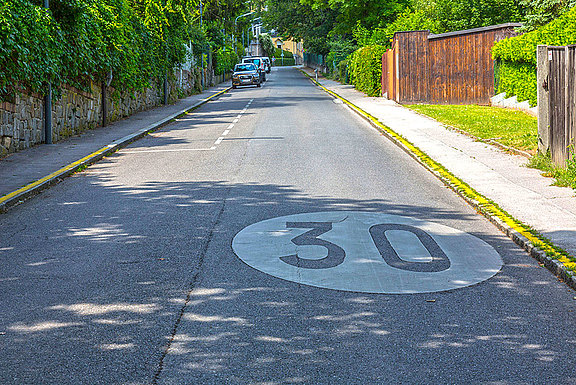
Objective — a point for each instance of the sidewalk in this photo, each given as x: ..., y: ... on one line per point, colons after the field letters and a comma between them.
x: 43, y: 164
x: 501, y: 177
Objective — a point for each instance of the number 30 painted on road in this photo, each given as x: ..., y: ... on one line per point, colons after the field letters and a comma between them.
x: 366, y: 252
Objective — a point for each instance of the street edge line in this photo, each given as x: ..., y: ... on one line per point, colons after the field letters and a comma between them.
x: 555, y: 259
x: 16, y: 197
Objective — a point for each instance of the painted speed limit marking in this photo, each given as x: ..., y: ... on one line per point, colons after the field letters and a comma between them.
x: 366, y: 252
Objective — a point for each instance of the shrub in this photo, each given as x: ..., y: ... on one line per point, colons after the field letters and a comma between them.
x: 342, y: 71
x: 517, y: 55
x: 517, y: 78
x: 278, y: 53
x: 365, y: 69
x: 225, y: 59
x: 340, y: 49
x: 288, y: 61
x: 77, y: 41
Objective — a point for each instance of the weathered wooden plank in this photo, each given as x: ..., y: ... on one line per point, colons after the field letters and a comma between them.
x: 557, y: 101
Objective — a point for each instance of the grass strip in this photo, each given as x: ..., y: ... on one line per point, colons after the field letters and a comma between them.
x: 508, y: 127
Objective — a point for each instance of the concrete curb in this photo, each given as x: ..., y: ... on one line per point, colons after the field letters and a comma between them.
x: 16, y: 197
x: 549, y: 255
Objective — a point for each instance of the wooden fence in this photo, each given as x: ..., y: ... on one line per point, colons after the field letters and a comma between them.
x: 557, y: 90
x: 450, y: 68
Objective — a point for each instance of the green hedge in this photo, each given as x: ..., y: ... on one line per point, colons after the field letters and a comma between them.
x: 225, y: 59
x: 288, y: 61
x: 365, y: 69
x: 517, y: 78
x: 278, y: 53
x: 342, y: 71
x: 516, y: 56
x: 76, y: 41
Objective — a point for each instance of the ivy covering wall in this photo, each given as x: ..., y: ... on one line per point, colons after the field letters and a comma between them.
x: 78, y: 41
x: 517, y: 56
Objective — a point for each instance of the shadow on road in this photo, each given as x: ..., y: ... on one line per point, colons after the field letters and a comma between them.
x: 92, y: 290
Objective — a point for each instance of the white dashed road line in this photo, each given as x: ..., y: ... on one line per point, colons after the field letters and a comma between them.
x: 231, y: 126
x: 167, y: 150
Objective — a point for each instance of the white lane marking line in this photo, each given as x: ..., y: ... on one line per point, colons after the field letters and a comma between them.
x: 218, y: 141
x: 231, y: 126
x: 212, y: 148
x: 175, y: 150
x: 225, y: 132
x: 244, y: 111
x: 239, y: 116
x: 236, y: 120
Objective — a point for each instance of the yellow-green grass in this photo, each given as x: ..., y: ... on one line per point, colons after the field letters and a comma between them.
x: 564, y: 176
x: 511, y: 128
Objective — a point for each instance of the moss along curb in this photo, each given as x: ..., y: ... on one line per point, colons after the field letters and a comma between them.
x: 558, y: 261
x: 16, y: 197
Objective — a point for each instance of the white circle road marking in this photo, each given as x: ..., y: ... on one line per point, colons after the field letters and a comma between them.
x: 366, y: 252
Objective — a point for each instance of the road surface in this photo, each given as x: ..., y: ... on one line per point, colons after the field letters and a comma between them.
x: 271, y: 237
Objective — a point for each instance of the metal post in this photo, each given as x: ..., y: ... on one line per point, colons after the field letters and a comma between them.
x: 48, y: 115
x: 165, y: 89
x: 48, y: 104
x: 202, y: 80
x: 104, y: 105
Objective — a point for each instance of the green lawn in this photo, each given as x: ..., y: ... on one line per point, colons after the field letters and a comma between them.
x: 509, y: 127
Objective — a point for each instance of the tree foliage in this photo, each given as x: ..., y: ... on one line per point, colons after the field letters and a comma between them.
x: 267, y: 44
x: 541, y: 12
x: 291, y: 18
x: 77, y: 41
x: 517, y: 55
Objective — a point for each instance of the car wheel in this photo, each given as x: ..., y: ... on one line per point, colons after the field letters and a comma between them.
x: 234, y: 86
x: 258, y: 85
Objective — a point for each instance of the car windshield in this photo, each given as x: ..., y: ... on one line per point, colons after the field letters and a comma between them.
x: 244, y: 67
x: 255, y: 61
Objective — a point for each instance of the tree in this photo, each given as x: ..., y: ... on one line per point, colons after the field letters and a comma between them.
x: 267, y: 44
x: 541, y: 12
x: 290, y: 18
x: 369, y: 13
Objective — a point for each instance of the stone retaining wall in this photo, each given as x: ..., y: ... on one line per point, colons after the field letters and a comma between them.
x: 75, y: 111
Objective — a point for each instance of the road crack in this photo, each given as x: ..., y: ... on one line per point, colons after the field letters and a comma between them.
x: 191, y: 287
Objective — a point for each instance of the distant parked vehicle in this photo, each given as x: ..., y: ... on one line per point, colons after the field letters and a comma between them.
x: 246, y: 74
x: 267, y: 63
x: 259, y: 62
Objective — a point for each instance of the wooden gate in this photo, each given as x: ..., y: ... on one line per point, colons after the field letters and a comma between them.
x: 562, y: 102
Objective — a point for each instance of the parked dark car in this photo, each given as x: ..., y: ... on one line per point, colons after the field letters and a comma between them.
x: 246, y: 74
x: 259, y: 63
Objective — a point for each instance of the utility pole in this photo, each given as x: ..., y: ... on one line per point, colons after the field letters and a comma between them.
x: 201, y: 52
x: 48, y: 104
x: 235, y: 22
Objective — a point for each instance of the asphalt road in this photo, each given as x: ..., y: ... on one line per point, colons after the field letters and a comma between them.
x: 126, y: 273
